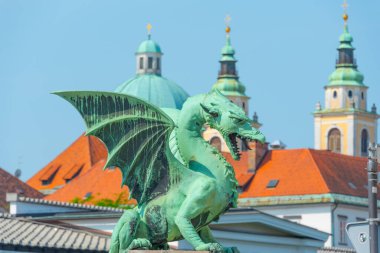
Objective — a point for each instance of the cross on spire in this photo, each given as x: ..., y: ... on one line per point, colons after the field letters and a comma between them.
x: 148, y: 28
x: 227, y: 20
x: 345, y: 16
x: 345, y: 6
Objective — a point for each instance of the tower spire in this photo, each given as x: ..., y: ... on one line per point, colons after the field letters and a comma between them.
x: 228, y: 80
x: 228, y: 66
x: 346, y: 50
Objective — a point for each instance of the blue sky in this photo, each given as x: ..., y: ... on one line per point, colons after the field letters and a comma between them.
x: 286, y: 51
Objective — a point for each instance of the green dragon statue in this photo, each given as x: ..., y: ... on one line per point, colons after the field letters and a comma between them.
x: 180, y: 181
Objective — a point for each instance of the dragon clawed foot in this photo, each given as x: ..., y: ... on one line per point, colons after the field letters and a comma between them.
x: 217, y: 248
x: 212, y: 247
x: 140, y: 243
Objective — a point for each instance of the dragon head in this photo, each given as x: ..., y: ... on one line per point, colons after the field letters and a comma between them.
x: 230, y: 121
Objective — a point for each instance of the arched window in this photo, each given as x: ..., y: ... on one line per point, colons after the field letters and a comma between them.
x: 243, y: 106
x: 335, y: 94
x: 350, y: 93
x: 364, y: 142
x: 334, y: 140
x: 216, y: 142
x: 141, y: 63
x: 362, y: 95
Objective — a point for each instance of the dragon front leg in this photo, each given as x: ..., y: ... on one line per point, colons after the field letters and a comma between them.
x: 193, y: 214
x: 206, y: 235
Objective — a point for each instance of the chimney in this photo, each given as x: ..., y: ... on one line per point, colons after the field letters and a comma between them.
x: 256, y: 155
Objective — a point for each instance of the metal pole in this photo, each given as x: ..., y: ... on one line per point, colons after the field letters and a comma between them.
x: 372, y: 197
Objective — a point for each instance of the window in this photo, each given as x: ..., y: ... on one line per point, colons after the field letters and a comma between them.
x: 352, y: 185
x: 364, y: 142
x: 243, y: 105
x: 150, y: 62
x: 362, y: 95
x: 346, y: 56
x: 272, y: 183
x: 224, y: 69
x: 334, y: 140
x: 141, y: 63
x: 158, y: 63
x: 342, y: 229
x: 228, y: 68
x: 48, y: 177
x: 87, y: 195
x: 335, y: 94
x: 216, y: 142
x: 350, y: 93
x: 73, y: 173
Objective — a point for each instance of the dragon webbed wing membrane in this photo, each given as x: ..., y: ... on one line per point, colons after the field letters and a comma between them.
x: 136, y: 134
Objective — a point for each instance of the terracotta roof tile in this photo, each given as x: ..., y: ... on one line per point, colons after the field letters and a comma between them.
x: 343, y: 174
x: 308, y: 171
x: 83, y: 153
x: 295, y: 171
x: 11, y: 184
x: 96, y: 183
x: 244, y: 179
x: 241, y: 167
x: 298, y: 171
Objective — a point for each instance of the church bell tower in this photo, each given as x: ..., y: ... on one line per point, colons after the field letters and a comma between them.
x: 345, y: 125
x: 229, y: 85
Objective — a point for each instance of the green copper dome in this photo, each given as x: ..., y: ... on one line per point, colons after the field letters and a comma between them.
x: 346, y: 76
x: 148, y: 84
x: 229, y: 87
x: 156, y: 90
x: 148, y: 46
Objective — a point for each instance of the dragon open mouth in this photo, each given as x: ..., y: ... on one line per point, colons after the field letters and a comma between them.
x: 233, y: 144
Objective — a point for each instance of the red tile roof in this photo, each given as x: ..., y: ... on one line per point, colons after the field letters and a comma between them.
x: 308, y: 171
x: 298, y: 171
x: 76, y: 160
x: 343, y: 174
x: 101, y: 185
x: 11, y: 184
x: 242, y: 173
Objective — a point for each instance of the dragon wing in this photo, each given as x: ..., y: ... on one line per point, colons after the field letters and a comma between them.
x: 136, y: 135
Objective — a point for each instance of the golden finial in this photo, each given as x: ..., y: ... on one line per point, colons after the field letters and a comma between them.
x: 227, y: 21
x: 149, y: 28
x: 345, y: 16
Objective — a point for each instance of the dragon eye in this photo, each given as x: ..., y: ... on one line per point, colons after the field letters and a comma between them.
x: 239, y: 121
x: 214, y: 114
